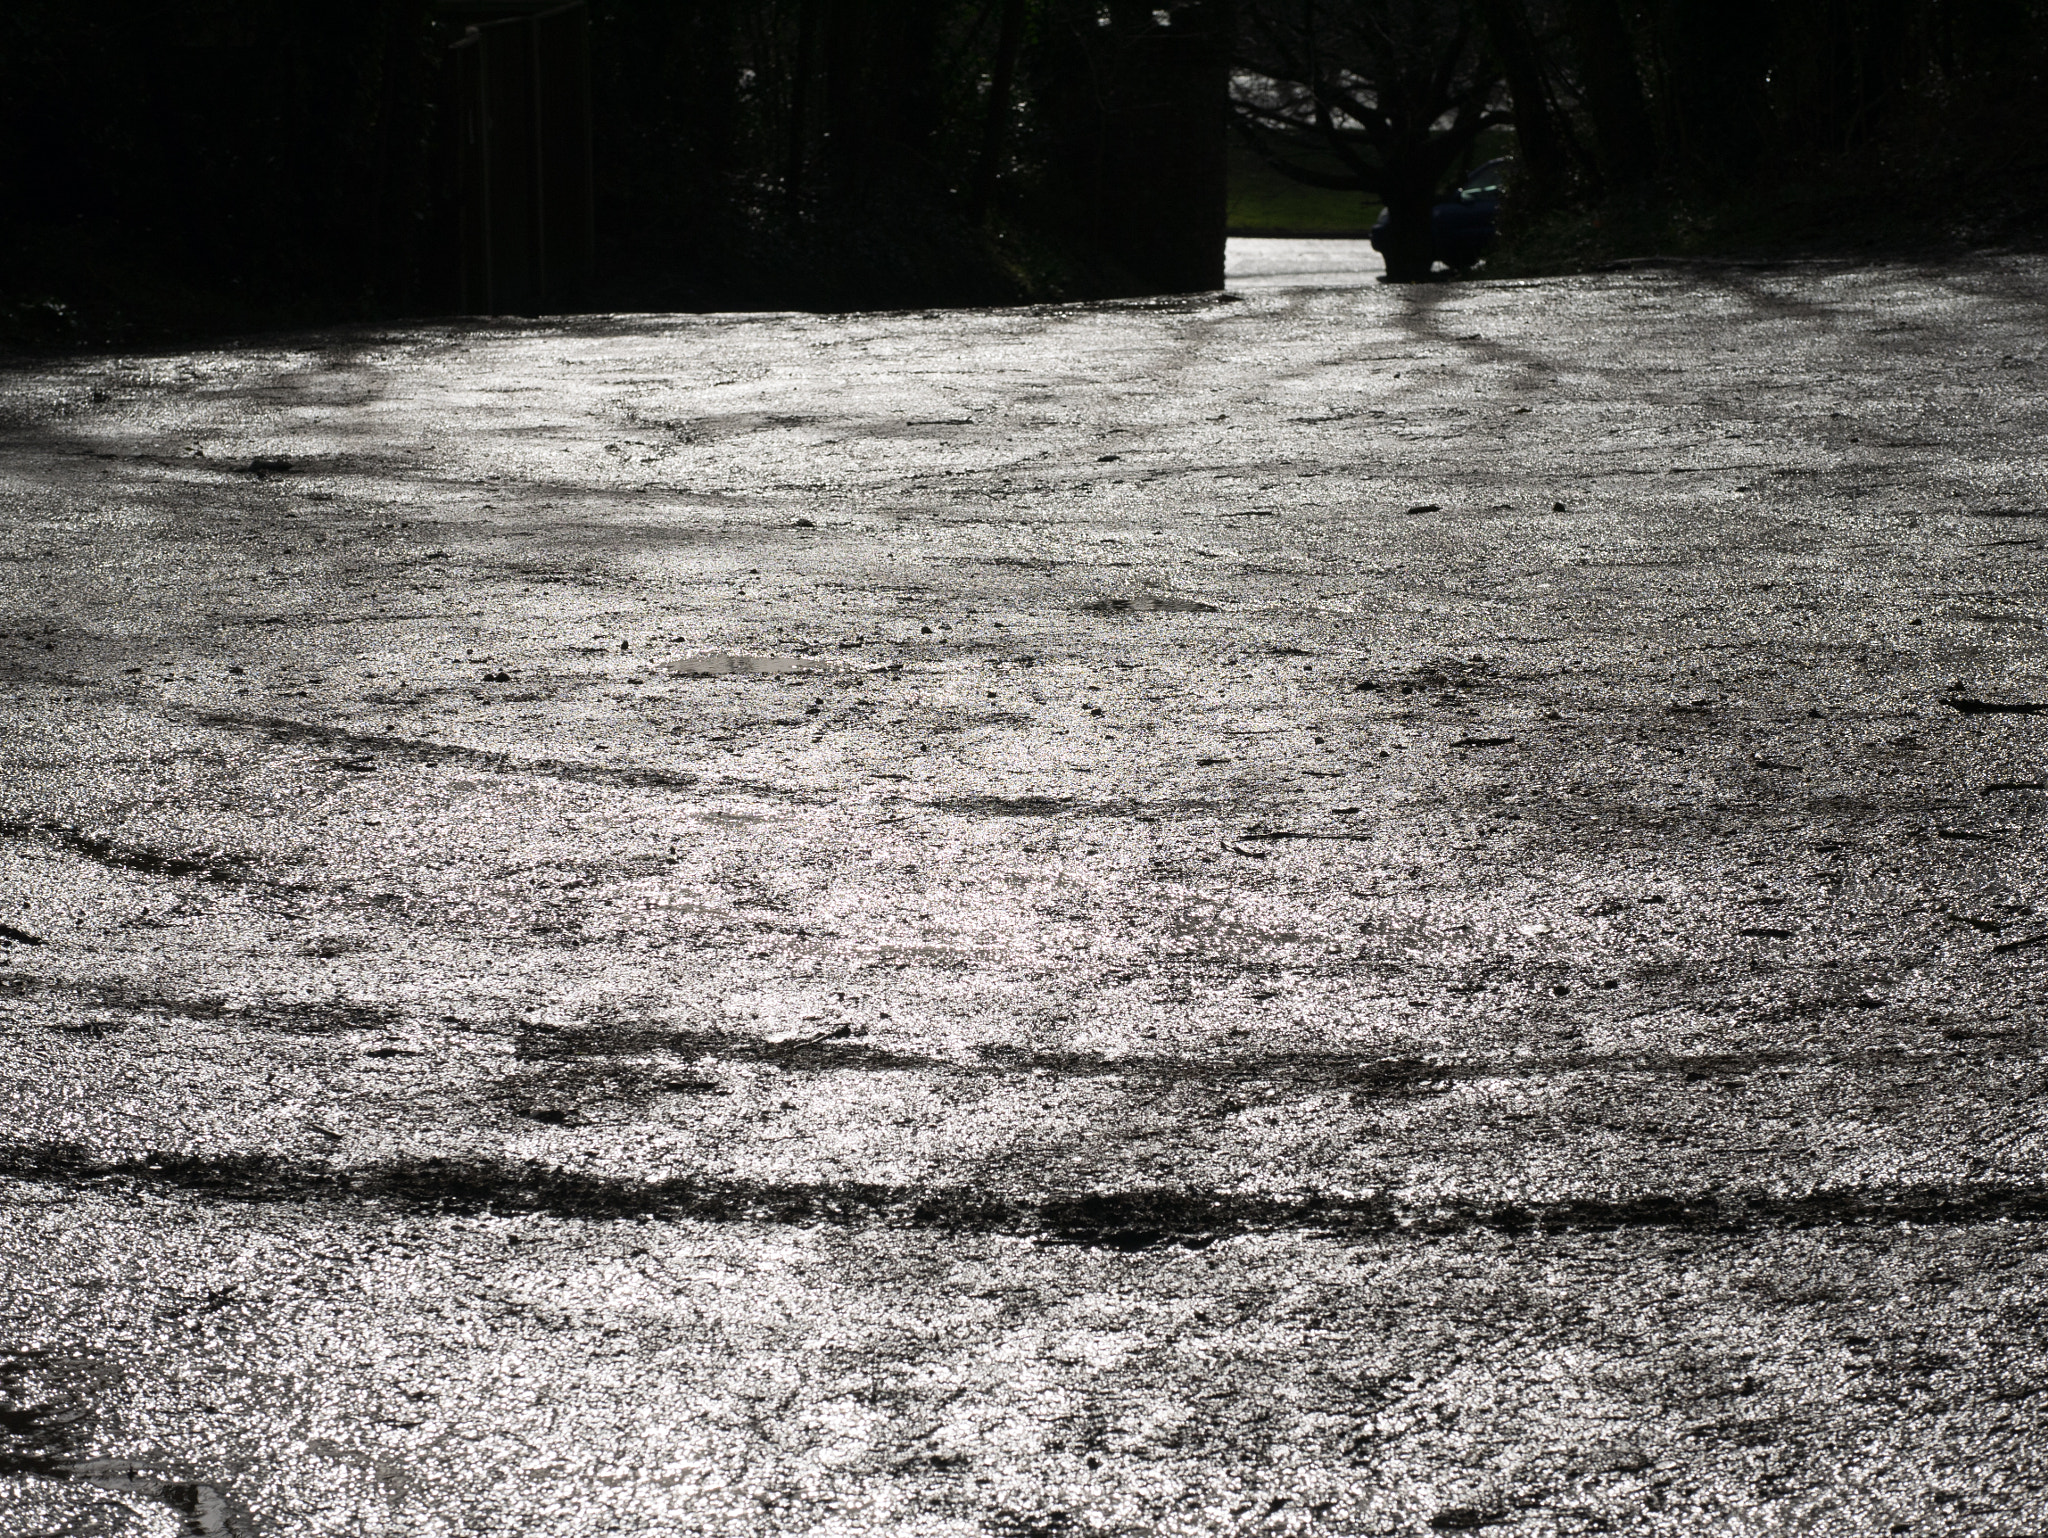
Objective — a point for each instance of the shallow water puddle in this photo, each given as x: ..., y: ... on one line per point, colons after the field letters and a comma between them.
x: 48, y: 1420
x: 1150, y: 603
x: 715, y: 664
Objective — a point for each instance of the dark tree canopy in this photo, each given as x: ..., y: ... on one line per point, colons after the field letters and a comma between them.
x: 188, y: 164
x: 204, y: 164
x: 1397, y: 91
x: 1907, y: 104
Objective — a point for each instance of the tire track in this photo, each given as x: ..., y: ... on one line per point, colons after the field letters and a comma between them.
x: 1135, y: 1218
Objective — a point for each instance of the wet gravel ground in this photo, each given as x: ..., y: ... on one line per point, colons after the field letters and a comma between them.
x: 1326, y: 909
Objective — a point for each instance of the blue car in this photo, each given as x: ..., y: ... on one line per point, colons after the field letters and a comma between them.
x: 1461, y: 227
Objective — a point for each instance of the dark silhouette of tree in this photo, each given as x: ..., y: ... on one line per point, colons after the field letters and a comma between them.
x: 188, y: 164
x: 1542, y: 136
x: 1610, y: 80
x: 210, y: 161
x: 194, y: 164
x: 1129, y: 121
x: 1396, y: 91
x: 995, y: 132
x: 1719, y: 98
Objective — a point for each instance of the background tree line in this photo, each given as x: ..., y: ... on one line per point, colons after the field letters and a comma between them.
x: 914, y: 151
x: 1859, y: 111
x: 186, y: 164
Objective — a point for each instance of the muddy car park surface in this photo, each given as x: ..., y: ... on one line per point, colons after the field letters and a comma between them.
x: 1323, y: 909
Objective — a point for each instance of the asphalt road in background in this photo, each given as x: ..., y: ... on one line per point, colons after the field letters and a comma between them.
x: 1324, y: 909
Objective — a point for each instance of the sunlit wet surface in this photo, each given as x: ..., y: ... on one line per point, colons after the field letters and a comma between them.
x: 1394, y: 910
x: 719, y: 664
x: 1255, y: 263
x: 1151, y: 603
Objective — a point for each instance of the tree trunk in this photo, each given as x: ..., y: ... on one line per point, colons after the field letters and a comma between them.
x: 846, y: 116
x: 1721, y: 54
x: 995, y: 127
x: 1544, y: 161
x: 799, y: 102
x: 1614, y: 91
x: 901, y: 85
x: 1407, y: 239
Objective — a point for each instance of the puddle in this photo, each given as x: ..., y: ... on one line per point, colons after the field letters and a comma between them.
x: 717, y: 664
x: 1150, y: 603
x: 204, y: 1510
x: 47, y: 1421
x: 46, y: 1406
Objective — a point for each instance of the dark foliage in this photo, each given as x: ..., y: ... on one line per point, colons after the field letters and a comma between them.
x: 1665, y: 121
x: 209, y: 163
x: 910, y: 152
x: 1776, y: 122
x: 183, y: 165
x: 1398, y: 91
x: 189, y: 165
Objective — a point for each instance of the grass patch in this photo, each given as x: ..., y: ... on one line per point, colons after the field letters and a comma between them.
x: 1264, y: 202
